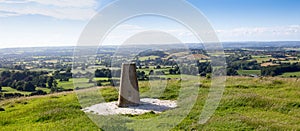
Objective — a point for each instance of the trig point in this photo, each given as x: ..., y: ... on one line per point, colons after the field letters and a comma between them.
x: 129, y: 90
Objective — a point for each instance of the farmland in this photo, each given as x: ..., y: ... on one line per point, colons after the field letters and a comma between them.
x: 44, y: 89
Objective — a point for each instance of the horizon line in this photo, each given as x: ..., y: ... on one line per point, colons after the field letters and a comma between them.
x: 143, y: 44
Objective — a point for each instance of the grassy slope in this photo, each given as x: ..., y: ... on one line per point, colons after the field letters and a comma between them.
x: 288, y: 74
x: 55, y: 112
x: 247, y: 104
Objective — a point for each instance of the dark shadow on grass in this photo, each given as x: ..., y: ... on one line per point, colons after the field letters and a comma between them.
x: 150, y: 106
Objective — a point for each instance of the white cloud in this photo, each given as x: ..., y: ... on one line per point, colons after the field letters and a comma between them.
x: 66, y: 3
x: 61, y: 9
x: 124, y: 31
x: 6, y: 14
x: 276, y: 33
x: 58, y: 3
x: 13, y: 1
x: 291, y: 32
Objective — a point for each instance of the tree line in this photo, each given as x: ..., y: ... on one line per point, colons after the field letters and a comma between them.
x: 280, y: 69
x: 27, y: 80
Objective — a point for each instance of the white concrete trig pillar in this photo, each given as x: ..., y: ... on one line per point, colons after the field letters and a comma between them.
x: 129, y: 90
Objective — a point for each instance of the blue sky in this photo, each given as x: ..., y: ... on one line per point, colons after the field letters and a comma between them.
x: 251, y: 13
x: 25, y: 23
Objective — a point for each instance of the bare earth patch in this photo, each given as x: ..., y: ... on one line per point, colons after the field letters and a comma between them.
x: 146, y: 105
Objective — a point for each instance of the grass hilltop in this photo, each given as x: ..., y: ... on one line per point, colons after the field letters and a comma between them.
x: 248, y: 104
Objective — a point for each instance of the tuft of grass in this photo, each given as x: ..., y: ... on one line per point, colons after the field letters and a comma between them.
x: 109, y: 94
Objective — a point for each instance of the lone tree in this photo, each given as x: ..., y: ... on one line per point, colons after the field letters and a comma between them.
x: 54, y: 87
x: 50, y: 81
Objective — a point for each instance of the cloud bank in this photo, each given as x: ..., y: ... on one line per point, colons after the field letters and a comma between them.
x: 60, y: 9
x: 289, y: 33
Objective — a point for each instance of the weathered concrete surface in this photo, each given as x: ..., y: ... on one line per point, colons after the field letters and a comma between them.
x: 146, y: 105
x: 129, y: 90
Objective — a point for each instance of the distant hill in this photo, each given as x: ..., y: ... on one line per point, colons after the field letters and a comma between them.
x: 152, y: 53
x: 68, y: 50
x: 252, y: 44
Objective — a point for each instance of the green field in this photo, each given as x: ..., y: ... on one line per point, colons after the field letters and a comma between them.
x: 260, y: 59
x: 289, y: 74
x: 11, y: 90
x: 247, y: 104
x: 43, y: 69
x: 249, y: 72
x: 79, y: 82
x: 100, y: 78
x: 148, y: 58
x: 166, y: 70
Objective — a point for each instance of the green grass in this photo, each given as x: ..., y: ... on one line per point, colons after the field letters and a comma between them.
x: 148, y: 57
x: 79, y: 82
x: 249, y: 72
x: 247, y: 104
x: 100, y: 78
x: 289, y: 74
x: 166, y: 70
x: 42, y: 69
x: 56, y: 112
x: 44, y: 89
x: 109, y: 94
x: 260, y: 59
x: 11, y: 90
